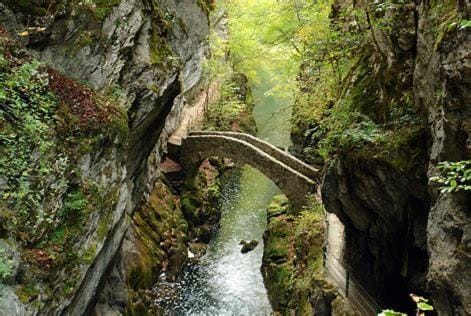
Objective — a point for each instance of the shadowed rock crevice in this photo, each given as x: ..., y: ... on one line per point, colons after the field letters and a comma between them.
x: 385, y: 217
x: 146, y: 134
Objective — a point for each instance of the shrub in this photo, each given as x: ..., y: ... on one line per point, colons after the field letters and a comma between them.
x: 456, y: 176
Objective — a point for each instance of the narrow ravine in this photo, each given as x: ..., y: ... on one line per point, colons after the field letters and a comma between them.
x: 225, y: 281
x: 105, y: 211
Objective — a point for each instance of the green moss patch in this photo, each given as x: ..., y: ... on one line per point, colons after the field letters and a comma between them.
x: 292, y: 258
x: 160, y: 236
x: 103, y: 8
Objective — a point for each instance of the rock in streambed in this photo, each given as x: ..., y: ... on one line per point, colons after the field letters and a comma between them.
x: 248, y: 245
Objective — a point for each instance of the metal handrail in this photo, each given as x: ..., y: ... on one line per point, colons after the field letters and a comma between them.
x: 349, y: 286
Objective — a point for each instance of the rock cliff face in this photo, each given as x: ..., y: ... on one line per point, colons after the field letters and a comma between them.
x: 442, y: 86
x: 150, y: 53
x: 385, y: 216
x: 402, y: 235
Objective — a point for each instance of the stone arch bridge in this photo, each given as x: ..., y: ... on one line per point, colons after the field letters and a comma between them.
x: 294, y: 178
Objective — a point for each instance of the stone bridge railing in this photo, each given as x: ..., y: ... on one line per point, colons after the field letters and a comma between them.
x: 275, y: 152
x: 294, y: 178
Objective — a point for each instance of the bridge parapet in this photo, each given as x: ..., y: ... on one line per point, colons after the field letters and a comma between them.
x: 195, y: 148
x: 284, y: 157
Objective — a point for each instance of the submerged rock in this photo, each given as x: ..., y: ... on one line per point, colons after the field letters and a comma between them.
x: 248, y: 245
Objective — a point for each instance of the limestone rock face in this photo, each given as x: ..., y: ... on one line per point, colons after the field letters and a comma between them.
x: 10, y: 302
x: 443, y: 82
x: 401, y: 232
x: 151, y: 53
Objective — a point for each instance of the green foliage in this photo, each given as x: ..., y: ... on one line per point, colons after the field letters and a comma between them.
x: 329, y: 52
x: 232, y: 110
x: 390, y: 312
x: 347, y: 129
x: 422, y: 304
x: 222, y: 114
x: 103, y: 8
x: 267, y: 39
x: 263, y: 39
x: 74, y: 204
x: 344, y: 104
x: 465, y: 24
x: 26, y: 117
x: 5, y: 265
x: 456, y: 176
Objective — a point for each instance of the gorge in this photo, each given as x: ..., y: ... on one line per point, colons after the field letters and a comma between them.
x: 101, y: 214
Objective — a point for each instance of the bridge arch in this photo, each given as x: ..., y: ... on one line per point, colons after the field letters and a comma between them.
x: 283, y: 169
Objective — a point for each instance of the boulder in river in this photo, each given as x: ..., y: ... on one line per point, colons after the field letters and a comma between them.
x: 248, y: 245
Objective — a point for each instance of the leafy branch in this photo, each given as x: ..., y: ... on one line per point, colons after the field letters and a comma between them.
x: 423, y: 306
x: 456, y: 176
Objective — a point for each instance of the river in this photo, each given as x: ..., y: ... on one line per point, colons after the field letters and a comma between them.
x: 225, y: 281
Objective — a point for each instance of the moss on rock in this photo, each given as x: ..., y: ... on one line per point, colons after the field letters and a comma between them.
x: 159, y: 235
x: 201, y: 199
x: 292, y: 258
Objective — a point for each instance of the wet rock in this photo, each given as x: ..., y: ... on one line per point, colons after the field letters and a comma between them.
x: 198, y: 249
x: 204, y: 233
x: 248, y: 245
x: 177, y: 258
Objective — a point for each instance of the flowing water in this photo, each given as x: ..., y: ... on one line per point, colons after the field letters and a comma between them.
x: 225, y: 281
